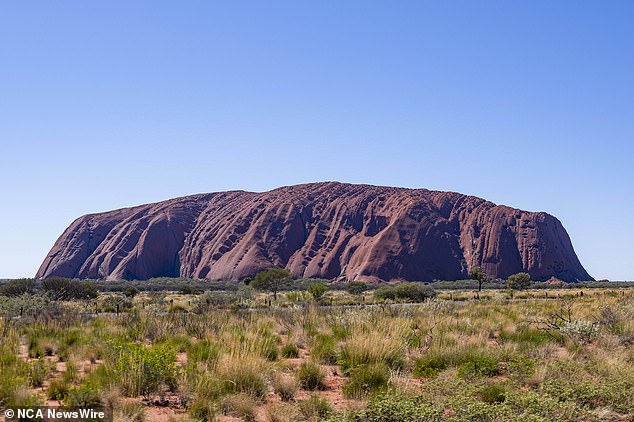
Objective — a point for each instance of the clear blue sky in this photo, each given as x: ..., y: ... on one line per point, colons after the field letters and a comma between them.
x: 117, y: 103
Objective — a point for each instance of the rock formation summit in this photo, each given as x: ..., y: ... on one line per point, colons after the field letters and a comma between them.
x: 328, y: 230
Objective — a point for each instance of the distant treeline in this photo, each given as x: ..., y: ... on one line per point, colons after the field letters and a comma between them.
x: 66, y: 288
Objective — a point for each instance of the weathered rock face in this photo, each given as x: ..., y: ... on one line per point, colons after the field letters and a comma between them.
x: 327, y: 230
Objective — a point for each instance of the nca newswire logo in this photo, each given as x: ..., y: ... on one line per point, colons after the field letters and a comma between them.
x: 56, y: 414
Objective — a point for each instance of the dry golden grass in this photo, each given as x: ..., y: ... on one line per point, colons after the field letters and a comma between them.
x: 446, y: 354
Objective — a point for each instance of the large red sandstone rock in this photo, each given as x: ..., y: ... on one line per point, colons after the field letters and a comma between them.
x: 327, y: 230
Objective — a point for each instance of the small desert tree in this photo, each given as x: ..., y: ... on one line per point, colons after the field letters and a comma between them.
x: 478, y: 274
x: 60, y: 288
x: 272, y: 280
x: 356, y: 287
x: 317, y: 290
x: 17, y: 287
x: 519, y: 281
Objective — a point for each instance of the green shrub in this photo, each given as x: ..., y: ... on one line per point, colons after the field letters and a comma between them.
x: 202, y: 351
x: 186, y: 289
x: 414, y: 292
x: 363, y: 349
x: 290, y: 350
x: 317, y: 290
x: 37, y: 372
x: 60, y: 288
x: 297, y: 296
x: 85, y: 395
x: 493, y: 393
x: 142, y: 370
x: 212, y: 300
x: 14, y: 390
x: 310, y: 376
x: 324, y: 349
x: 315, y: 408
x: 430, y: 365
x: 534, y: 406
x: 521, y: 367
x: 366, y: 379
x: 13, y: 288
x: 130, y: 292
x: 340, y: 332
x: 26, y: 303
x: 519, y: 281
x: 270, y: 350
x: 242, y: 376
x: 467, y: 408
x: 394, y: 406
x: 613, y: 391
x: 57, y: 390
x: 478, y: 366
x: 36, y: 352
x: 356, y: 287
x: 526, y: 338
x: 71, y: 373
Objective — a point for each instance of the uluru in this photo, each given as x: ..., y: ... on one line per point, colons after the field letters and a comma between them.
x: 328, y: 230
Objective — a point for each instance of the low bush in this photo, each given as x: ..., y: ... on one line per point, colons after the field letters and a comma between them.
x: 203, y: 410
x: 203, y: 351
x: 142, y: 370
x: 580, y: 332
x: 311, y: 376
x: 186, y: 289
x: 478, y: 366
x: 37, y: 372
x: 270, y: 350
x: 356, y: 287
x: 14, y: 386
x: 85, y: 395
x: 493, y: 393
x: 130, y: 292
x: 317, y: 290
x: 240, y: 405
x: 13, y: 288
x: 242, y: 375
x: 468, y: 408
x: 534, y: 406
x: 393, y: 406
x: 526, y: 338
x: 315, y: 408
x: 430, y: 365
x: 285, y: 386
x: 211, y: 300
x: 324, y: 348
x: 290, y: 350
x: 366, y: 379
x: 363, y: 349
x: 283, y: 412
x: 71, y: 373
x: 60, y: 288
x: 413, y: 292
x: 128, y: 411
x: 57, y: 390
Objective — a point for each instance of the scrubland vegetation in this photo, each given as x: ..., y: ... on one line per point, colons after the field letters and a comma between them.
x: 339, y: 355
